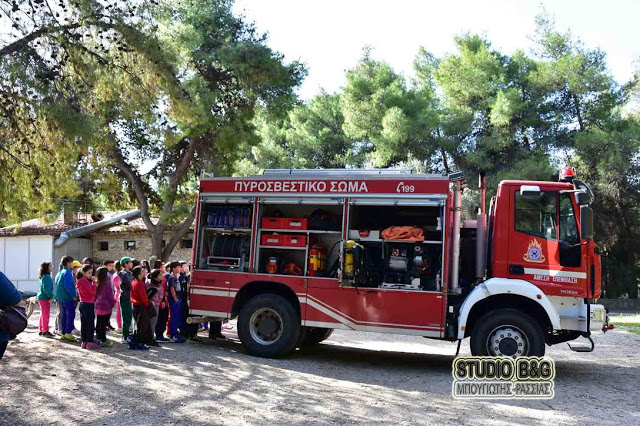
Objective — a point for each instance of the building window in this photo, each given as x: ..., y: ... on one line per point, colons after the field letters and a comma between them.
x: 186, y: 244
x: 129, y: 245
x: 104, y: 245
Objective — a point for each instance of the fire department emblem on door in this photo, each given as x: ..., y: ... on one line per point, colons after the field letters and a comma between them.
x: 534, y: 252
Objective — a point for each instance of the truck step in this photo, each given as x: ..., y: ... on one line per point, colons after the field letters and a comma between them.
x: 582, y: 348
x: 574, y: 318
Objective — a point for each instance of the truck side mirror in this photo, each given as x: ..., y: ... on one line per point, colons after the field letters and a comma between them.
x: 583, y: 198
x: 586, y: 222
x: 530, y: 192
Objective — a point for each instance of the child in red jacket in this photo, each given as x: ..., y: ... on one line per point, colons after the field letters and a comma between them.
x: 142, y: 333
x: 87, y: 295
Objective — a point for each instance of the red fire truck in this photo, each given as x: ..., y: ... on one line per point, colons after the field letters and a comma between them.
x: 295, y: 254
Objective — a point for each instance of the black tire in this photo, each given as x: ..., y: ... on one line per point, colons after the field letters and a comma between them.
x: 521, y: 335
x: 315, y: 335
x: 275, y: 329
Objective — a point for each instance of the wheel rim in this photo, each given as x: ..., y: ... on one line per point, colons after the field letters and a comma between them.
x: 265, y: 326
x: 508, y: 340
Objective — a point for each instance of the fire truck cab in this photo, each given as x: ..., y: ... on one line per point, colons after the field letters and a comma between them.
x: 295, y: 254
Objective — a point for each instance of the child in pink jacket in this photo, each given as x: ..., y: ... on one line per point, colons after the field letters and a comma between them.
x: 116, y: 286
x: 105, y: 301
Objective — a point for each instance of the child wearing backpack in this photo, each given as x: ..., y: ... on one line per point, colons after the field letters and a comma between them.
x: 155, y: 292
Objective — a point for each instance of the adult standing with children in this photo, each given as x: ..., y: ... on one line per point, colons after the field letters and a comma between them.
x: 9, y: 296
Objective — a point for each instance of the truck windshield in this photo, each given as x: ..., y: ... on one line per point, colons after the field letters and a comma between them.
x: 537, y: 216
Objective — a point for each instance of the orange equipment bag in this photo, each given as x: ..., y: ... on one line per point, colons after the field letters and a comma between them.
x: 404, y: 233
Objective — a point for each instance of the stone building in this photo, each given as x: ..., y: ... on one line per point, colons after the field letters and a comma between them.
x: 132, y: 239
x: 101, y: 236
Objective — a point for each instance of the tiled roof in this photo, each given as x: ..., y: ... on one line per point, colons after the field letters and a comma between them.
x: 40, y: 227
x: 134, y: 225
x: 56, y: 227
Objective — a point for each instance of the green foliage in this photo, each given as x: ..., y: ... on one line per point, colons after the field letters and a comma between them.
x: 390, y: 121
x: 144, y: 96
x: 515, y: 116
x: 310, y: 136
x: 131, y: 101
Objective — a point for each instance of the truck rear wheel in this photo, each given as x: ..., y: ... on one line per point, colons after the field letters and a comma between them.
x: 507, y: 332
x: 268, y: 326
x: 315, y: 335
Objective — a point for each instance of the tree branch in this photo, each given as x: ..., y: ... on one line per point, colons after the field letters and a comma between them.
x: 21, y: 43
x: 138, y: 187
x: 177, y: 177
x: 180, y: 232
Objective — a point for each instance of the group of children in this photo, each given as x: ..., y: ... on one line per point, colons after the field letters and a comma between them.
x: 152, y: 300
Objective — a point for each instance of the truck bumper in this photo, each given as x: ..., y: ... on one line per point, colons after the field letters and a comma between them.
x: 597, y: 317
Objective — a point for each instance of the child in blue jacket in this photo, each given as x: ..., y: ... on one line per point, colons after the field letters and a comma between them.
x: 67, y: 296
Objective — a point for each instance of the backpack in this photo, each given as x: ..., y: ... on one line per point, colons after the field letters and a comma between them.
x: 13, y: 320
x: 323, y: 220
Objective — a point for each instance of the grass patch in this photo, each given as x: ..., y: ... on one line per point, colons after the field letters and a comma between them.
x: 630, y: 323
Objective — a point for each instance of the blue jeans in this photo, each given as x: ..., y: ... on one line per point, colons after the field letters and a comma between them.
x: 177, y: 319
x: 68, y: 316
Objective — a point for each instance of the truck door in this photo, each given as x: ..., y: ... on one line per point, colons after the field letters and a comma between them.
x: 388, y: 305
x: 544, y: 243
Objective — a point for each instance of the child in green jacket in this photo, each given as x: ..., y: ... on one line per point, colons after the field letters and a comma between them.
x: 44, y: 296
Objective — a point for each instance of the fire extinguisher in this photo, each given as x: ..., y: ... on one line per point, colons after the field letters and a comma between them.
x: 272, y: 265
x: 317, y: 259
x: 314, y: 260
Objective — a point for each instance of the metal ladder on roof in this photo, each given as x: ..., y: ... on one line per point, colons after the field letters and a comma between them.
x: 331, y: 172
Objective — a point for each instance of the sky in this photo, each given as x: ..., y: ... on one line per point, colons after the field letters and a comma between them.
x: 329, y: 35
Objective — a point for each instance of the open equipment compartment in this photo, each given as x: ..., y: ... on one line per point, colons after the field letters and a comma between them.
x: 299, y: 236
x: 225, y: 240
x: 395, y: 263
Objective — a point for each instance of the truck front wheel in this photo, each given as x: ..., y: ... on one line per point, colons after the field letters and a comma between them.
x: 268, y: 326
x: 507, y: 332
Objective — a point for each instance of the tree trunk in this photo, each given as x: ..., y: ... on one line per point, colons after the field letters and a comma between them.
x: 180, y: 232
x: 578, y: 114
x: 444, y: 160
x: 156, y: 243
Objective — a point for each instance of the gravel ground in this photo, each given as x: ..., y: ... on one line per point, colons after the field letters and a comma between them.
x: 353, y: 378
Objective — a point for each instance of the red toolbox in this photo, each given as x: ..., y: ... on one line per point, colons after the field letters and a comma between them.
x: 295, y: 223
x: 295, y: 240
x: 273, y: 223
x: 272, y: 240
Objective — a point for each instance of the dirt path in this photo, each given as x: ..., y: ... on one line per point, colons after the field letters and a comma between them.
x: 353, y: 378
